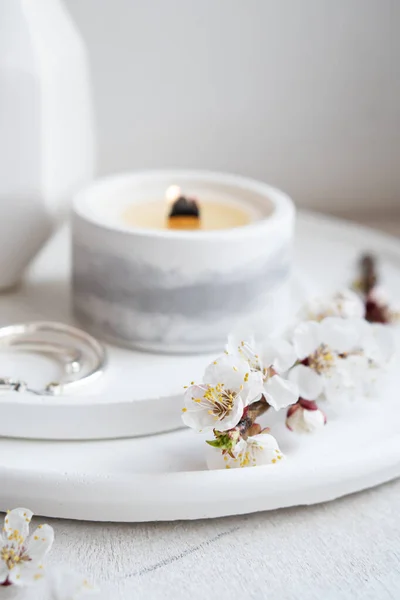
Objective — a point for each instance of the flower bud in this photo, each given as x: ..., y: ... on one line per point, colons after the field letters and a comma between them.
x: 305, y: 417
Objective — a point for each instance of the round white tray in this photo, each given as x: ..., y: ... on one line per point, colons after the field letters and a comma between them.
x: 140, y: 393
x: 163, y: 477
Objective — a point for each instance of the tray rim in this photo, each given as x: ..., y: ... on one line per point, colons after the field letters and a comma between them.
x: 136, y: 497
x: 385, y: 243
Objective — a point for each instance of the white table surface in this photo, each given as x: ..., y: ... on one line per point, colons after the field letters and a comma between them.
x: 343, y: 550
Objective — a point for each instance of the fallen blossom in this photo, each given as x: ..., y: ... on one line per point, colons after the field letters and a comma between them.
x: 21, y: 556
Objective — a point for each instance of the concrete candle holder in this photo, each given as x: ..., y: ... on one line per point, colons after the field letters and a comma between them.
x: 167, y: 290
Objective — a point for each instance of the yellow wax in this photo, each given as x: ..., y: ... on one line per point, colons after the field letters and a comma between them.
x: 213, y: 215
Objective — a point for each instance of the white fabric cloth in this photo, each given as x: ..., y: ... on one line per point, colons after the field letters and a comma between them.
x: 343, y: 550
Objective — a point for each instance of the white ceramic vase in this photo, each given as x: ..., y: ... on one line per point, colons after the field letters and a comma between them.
x: 46, y: 141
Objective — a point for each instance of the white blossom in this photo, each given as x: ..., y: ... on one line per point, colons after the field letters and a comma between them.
x: 257, y: 450
x: 345, y: 304
x: 378, y: 349
x: 377, y: 342
x: 229, y: 386
x: 21, y: 556
x: 336, y: 356
x: 323, y: 347
x: 272, y: 359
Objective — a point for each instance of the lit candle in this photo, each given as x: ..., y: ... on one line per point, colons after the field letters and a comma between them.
x: 178, y: 211
x: 142, y: 281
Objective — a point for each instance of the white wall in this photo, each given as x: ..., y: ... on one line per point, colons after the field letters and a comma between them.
x: 302, y: 93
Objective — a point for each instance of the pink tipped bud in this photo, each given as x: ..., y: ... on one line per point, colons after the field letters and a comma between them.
x: 305, y: 417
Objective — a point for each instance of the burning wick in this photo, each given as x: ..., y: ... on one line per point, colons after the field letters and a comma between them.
x: 184, y: 213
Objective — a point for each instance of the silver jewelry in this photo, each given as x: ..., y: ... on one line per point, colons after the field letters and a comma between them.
x: 72, y: 358
x: 81, y: 354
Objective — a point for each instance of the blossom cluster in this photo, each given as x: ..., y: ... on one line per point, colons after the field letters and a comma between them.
x: 332, y: 354
x: 22, y: 559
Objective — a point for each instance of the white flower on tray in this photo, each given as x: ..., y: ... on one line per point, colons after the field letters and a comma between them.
x: 378, y: 347
x: 305, y: 417
x: 229, y: 386
x: 377, y: 342
x: 66, y: 584
x: 272, y: 359
x: 336, y: 354
x: 345, y: 304
x: 21, y: 556
x: 258, y: 450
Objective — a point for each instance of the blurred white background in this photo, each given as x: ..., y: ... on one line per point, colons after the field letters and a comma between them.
x: 304, y: 94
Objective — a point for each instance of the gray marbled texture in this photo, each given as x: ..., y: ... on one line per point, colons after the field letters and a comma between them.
x: 129, y: 302
x: 146, y: 289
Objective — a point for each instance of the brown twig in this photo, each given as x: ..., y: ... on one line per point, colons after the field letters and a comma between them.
x: 375, y: 311
x: 369, y: 276
x: 227, y: 440
x: 251, y: 414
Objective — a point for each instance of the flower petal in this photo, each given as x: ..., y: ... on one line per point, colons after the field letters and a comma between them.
x: 344, y: 304
x: 265, y: 449
x: 384, y: 345
x: 199, y: 420
x: 309, y: 383
x: 233, y: 417
x: 280, y: 392
x: 349, y: 304
x: 339, y: 334
x: 25, y: 573
x: 16, y: 525
x: 314, y: 419
x: 198, y: 412
x: 195, y: 413
x: 228, y: 369
x: 279, y: 353
x: 306, y: 338
x: 234, y: 372
x: 346, y: 380
x: 40, y: 543
x: 3, y: 571
x: 253, y: 388
x: 302, y: 420
x: 375, y: 340
x: 258, y: 450
x: 236, y: 342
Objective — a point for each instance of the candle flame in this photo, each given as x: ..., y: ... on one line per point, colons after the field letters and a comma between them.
x: 172, y: 193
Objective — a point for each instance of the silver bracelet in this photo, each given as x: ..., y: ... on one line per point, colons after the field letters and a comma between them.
x: 82, y: 355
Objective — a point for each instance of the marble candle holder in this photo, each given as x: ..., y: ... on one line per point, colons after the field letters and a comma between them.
x: 180, y: 291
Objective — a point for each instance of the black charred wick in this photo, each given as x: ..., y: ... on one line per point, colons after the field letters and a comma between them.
x: 184, y: 207
x: 184, y: 214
